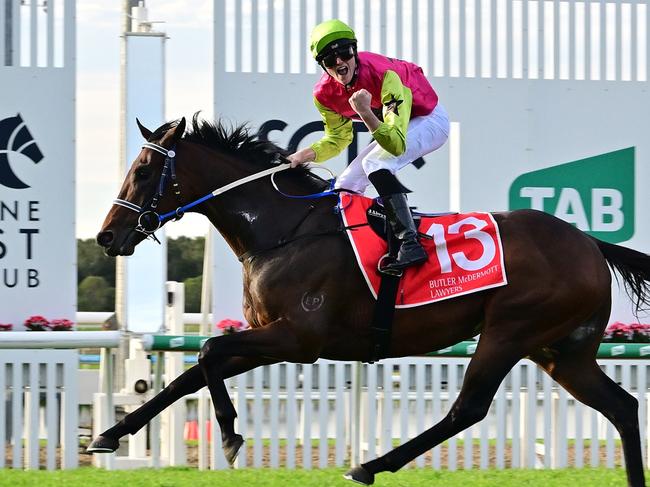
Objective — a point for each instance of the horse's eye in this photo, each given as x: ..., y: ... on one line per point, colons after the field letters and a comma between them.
x: 142, y: 173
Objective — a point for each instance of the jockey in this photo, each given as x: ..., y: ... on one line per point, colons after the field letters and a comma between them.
x: 395, y: 101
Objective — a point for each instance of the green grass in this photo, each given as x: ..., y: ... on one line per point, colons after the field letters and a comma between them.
x: 186, y: 477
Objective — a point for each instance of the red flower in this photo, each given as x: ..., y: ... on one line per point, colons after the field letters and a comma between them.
x: 229, y: 326
x: 61, y: 325
x: 634, y: 332
x: 37, y: 323
x: 6, y: 326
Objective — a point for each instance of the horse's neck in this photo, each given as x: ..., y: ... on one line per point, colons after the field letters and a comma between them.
x: 257, y: 217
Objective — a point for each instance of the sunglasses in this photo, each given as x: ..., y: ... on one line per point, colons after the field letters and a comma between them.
x: 343, y: 53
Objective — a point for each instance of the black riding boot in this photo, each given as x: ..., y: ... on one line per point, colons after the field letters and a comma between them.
x: 401, y: 222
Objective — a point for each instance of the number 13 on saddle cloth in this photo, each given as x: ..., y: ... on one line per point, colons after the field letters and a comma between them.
x: 465, y: 254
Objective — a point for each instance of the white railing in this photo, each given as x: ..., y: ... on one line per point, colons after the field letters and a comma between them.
x: 515, y: 39
x: 39, y: 391
x: 26, y: 379
x: 289, y: 420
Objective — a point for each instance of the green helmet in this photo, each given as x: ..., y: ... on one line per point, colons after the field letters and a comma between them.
x: 327, y: 32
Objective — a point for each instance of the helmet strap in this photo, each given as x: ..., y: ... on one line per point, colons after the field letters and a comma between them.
x: 355, y: 75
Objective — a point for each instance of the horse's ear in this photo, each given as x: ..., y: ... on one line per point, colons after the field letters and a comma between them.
x: 179, y: 130
x: 146, y: 133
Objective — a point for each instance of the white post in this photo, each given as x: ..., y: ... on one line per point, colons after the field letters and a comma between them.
x: 103, y: 408
x: 155, y: 422
x: 355, y: 415
x: 203, y: 415
x: 70, y: 407
x: 173, y: 442
x: 143, y: 96
x: 137, y: 368
x: 140, y: 278
x: 206, y: 301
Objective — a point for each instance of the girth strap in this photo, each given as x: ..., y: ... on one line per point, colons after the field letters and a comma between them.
x: 381, y: 325
x: 382, y: 317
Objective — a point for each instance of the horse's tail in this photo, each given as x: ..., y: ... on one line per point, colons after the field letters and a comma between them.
x: 634, y: 268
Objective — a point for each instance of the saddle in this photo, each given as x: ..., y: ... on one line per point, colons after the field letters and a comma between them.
x: 378, y: 222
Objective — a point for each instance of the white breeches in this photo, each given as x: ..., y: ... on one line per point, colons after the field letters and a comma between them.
x: 424, y: 135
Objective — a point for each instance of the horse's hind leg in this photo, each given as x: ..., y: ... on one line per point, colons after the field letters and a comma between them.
x: 591, y: 386
x: 188, y: 382
x: 577, y: 371
x: 489, y: 365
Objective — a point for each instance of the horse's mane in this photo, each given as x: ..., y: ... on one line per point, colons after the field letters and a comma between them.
x: 219, y: 135
x: 239, y: 141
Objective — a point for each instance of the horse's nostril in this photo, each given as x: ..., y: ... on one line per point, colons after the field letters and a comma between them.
x: 105, y: 238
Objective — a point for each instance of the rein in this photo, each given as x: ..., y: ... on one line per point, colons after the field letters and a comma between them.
x: 149, y: 220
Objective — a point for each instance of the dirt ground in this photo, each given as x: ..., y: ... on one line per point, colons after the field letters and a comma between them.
x: 85, y: 459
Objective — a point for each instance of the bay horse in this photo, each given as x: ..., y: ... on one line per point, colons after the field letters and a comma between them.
x: 553, y: 311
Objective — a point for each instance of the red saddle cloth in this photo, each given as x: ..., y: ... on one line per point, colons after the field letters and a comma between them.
x: 465, y: 255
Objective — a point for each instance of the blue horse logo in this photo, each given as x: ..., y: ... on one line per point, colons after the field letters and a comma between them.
x: 15, y: 138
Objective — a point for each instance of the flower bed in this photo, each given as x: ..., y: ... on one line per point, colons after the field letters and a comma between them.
x: 40, y: 323
x: 627, y: 333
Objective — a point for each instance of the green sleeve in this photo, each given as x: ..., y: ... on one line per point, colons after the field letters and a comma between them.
x: 397, y: 101
x: 338, y: 134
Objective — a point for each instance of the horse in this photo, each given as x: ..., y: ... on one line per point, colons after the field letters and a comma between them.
x: 553, y: 311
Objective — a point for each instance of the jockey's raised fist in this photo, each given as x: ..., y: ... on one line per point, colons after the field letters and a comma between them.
x: 360, y: 101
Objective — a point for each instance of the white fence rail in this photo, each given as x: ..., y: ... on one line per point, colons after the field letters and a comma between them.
x: 39, y: 395
x: 289, y: 419
x: 27, y: 381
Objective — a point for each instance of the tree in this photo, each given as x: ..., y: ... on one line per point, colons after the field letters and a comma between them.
x: 96, y: 273
x: 184, y: 258
x: 94, y: 294
x: 193, y: 294
x: 91, y: 261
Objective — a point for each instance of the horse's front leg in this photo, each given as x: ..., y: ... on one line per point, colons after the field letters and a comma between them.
x: 188, y: 382
x: 277, y: 341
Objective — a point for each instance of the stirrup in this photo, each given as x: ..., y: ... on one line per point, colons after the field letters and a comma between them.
x: 389, y: 272
x: 414, y: 262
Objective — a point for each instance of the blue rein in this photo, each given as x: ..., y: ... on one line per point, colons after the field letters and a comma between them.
x: 149, y: 220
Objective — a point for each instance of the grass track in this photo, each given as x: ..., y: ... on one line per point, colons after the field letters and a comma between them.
x: 190, y: 477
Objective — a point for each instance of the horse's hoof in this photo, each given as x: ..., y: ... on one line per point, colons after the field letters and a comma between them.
x: 231, y: 448
x: 360, y: 475
x: 103, y: 444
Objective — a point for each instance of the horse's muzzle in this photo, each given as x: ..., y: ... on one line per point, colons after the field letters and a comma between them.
x: 106, y: 239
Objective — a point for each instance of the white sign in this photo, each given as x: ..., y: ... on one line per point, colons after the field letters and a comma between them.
x: 38, y: 274
x: 37, y: 195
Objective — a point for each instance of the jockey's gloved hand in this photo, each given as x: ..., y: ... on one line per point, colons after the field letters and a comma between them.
x: 302, y: 157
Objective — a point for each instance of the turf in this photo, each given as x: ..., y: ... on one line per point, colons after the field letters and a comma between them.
x: 189, y: 477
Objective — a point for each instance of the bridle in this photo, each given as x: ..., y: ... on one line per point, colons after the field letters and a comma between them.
x: 149, y: 220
